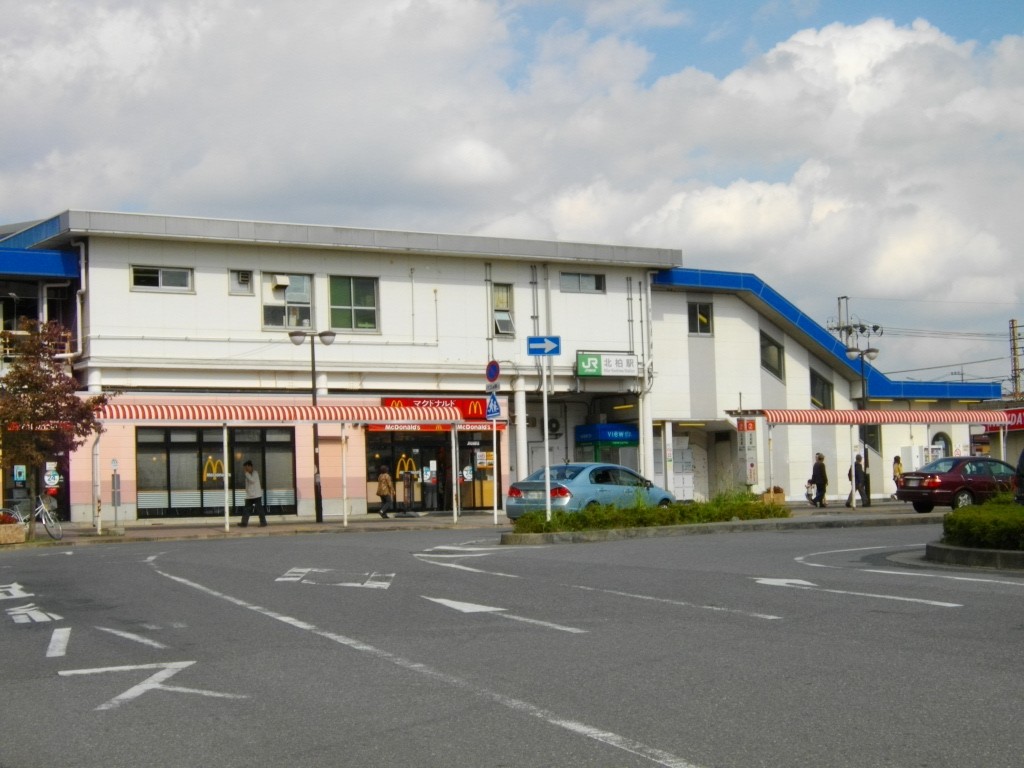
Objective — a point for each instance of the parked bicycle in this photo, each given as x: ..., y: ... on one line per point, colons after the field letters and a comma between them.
x: 44, y: 515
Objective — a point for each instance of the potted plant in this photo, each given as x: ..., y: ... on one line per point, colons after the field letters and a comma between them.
x: 775, y: 495
x: 12, y: 530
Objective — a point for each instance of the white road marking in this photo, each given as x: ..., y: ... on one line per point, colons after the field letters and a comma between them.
x: 920, y: 574
x: 132, y: 636
x: 58, y: 643
x: 464, y: 607
x: 458, y: 567
x: 474, y: 608
x: 431, y: 555
x: 26, y: 614
x: 682, y: 603
x: 152, y: 683
x: 800, y: 584
x: 656, y: 756
x: 371, y: 580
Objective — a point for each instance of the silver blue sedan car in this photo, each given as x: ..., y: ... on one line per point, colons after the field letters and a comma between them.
x: 579, y: 485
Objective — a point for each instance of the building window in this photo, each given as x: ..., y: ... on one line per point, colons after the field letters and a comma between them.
x: 581, y: 282
x: 162, y: 279
x: 287, y: 300
x: 354, y: 303
x: 821, y: 391
x: 700, y: 318
x: 501, y: 294
x: 771, y: 355
x: 240, y: 282
x: 180, y: 471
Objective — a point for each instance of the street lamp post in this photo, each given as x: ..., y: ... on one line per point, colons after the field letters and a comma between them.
x: 326, y: 338
x: 853, y: 353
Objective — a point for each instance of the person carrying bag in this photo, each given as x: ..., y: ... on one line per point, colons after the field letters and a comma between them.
x: 385, y: 490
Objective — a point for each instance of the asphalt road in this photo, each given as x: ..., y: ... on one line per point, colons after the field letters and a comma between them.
x: 836, y: 648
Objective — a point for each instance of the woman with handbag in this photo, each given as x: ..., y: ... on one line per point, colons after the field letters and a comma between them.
x: 386, y: 490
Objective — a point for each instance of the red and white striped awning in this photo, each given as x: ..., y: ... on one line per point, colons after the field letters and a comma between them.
x: 221, y: 414
x: 814, y: 416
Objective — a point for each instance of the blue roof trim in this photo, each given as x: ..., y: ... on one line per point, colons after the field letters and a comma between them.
x: 33, y: 235
x: 879, y: 385
x: 24, y: 263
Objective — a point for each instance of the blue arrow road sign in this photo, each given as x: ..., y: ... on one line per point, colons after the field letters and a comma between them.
x: 543, y: 345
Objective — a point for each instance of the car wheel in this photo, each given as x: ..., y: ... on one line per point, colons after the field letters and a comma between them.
x: 923, y: 506
x: 963, y: 499
x: 664, y: 503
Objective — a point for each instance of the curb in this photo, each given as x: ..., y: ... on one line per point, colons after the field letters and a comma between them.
x: 947, y: 554
x: 732, y: 526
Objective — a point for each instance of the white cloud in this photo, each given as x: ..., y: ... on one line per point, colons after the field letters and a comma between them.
x: 871, y: 160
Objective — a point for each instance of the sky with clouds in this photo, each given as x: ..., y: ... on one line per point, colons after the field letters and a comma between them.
x: 873, y: 149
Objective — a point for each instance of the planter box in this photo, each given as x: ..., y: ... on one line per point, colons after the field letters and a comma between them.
x: 773, y: 498
x: 12, y: 534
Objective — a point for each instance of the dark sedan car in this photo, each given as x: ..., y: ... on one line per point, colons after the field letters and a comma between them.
x: 955, y: 481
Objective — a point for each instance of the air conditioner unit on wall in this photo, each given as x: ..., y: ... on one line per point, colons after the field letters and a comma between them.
x: 281, y: 281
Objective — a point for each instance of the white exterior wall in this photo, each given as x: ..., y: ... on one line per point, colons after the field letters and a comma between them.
x: 435, y: 321
x: 436, y: 335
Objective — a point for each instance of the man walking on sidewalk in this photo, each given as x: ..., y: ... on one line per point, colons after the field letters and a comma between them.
x: 253, y: 497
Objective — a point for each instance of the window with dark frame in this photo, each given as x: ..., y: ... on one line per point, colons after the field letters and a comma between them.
x: 354, y: 304
x: 162, y: 278
x: 180, y: 471
x: 581, y: 282
x: 504, y: 324
x: 701, y: 318
x: 772, y: 355
x: 287, y: 300
x: 821, y: 391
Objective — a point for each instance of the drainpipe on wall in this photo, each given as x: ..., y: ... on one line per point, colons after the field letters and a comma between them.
x: 79, y: 303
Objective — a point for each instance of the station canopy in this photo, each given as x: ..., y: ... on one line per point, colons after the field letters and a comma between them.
x: 815, y: 416
x: 248, y: 414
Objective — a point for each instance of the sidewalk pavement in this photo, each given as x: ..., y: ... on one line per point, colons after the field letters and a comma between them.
x: 281, y: 525
x: 277, y: 525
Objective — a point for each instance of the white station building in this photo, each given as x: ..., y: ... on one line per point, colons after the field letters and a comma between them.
x: 453, y: 360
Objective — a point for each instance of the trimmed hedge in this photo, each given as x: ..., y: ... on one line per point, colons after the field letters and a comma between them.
x: 737, y: 506
x: 995, y: 525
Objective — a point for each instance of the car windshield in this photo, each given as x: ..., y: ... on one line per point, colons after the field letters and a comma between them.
x: 565, y: 472
x: 940, y: 466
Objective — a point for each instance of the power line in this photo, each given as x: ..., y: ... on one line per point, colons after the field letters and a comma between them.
x: 932, y: 334
x: 947, y: 365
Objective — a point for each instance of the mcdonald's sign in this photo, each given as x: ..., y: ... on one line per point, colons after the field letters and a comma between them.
x: 470, y: 408
x: 405, y: 464
x: 213, y: 469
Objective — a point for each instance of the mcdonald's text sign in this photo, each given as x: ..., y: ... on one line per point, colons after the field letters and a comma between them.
x: 470, y: 408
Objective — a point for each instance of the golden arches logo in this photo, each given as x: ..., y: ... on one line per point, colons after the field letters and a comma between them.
x: 476, y: 408
x: 405, y: 464
x: 213, y: 469
x: 396, y: 404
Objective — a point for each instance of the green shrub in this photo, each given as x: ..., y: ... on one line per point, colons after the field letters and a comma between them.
x: 997, y: 524
x: 729, y: 506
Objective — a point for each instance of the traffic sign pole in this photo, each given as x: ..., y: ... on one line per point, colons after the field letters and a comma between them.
x: 545, y: 346
x: 547, y: 454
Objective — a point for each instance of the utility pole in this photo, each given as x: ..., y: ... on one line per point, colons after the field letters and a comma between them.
x: 1015, y: 349
x: 852, y: 332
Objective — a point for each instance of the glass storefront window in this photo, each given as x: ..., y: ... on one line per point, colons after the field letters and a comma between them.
x: 180, y: 471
